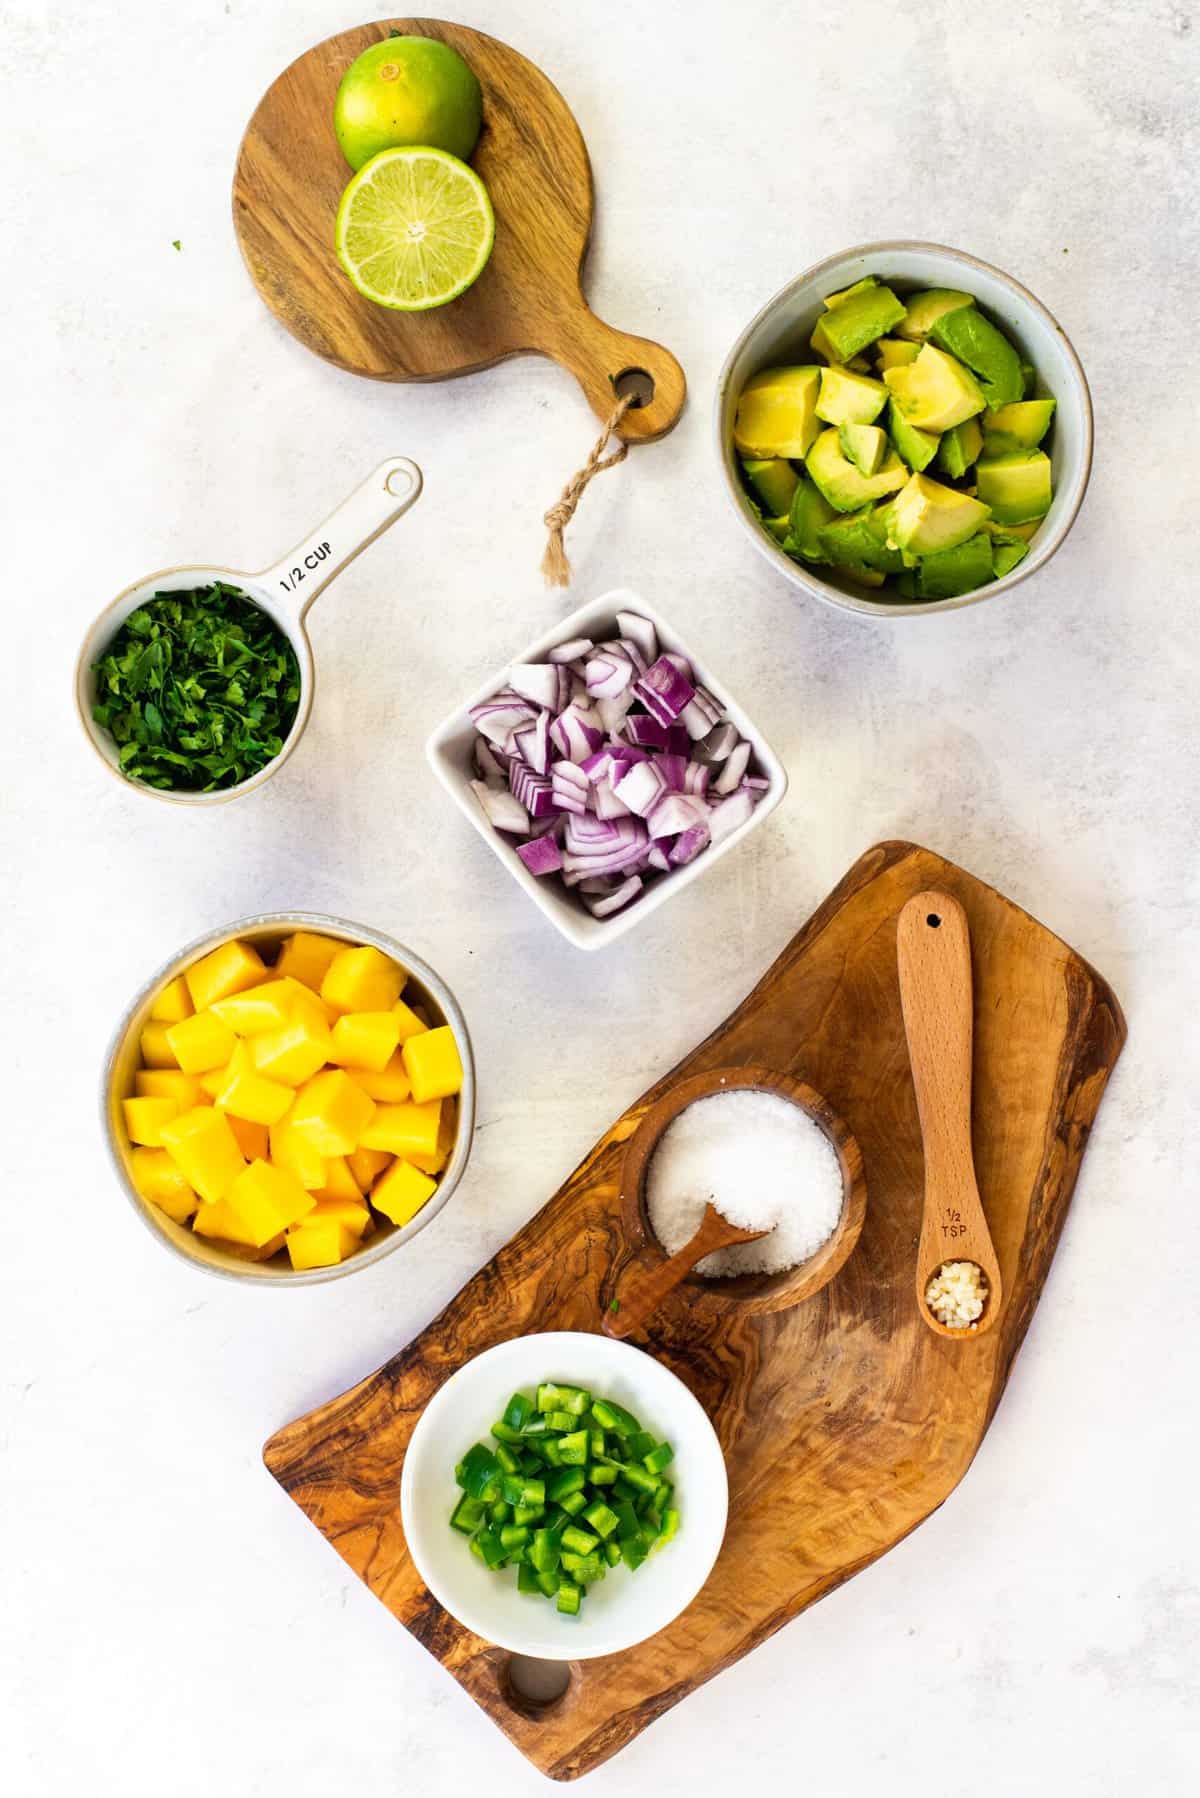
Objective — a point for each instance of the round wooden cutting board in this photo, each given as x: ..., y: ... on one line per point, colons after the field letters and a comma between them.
x: 528, y: 301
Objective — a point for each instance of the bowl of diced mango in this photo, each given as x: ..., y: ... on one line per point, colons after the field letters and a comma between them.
x: 290, y: 1098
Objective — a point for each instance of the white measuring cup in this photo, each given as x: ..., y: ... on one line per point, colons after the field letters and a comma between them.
x: 285, y: 591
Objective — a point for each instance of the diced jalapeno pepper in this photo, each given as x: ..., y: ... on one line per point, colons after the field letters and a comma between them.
x: 518, y: 1411
x: 658, y: 1458
x: 602, y: 1520
x: 568, y: 1599
x: 570, y: 1479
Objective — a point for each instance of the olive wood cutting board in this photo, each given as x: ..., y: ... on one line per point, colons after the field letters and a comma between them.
x: 844, y: 1421
x: 529, y: 299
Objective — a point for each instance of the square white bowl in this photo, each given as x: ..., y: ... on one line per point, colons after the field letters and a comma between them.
x: 449, y: 751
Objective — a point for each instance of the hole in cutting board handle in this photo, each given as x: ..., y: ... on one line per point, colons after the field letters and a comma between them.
x: 933, y: 921
x: 636, y: 384
x: 534, y: 1687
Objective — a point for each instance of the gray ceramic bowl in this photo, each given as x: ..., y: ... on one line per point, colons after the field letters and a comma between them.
x: 122, y: 1061
x: 781, y: 331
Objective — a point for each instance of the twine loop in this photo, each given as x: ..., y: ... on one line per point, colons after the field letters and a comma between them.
x: 555, y: 566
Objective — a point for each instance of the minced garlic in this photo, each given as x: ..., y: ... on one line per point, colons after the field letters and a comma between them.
x: 957, y: 1294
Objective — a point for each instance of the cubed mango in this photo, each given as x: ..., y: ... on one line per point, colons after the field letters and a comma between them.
x: 294, y: 1053
x: 268, y: 1006
x: 401, y: 1192
x: 223, y: 1222
x: 159, y: 1180
x: 388, y: 1087
x: 174, y: 1002
x: 201, y: 1042
x: 332, y: 1113
x: 252, y: 1139
x: 169, y: 1083
x: 404, y: 1129
x: 410, y: 1023
x: 321, y: 1244
x: 156, y: 1050
x: 267, y: 1200
x: 355, y: 1216
x: 365, y: 1040
x: 291, y: 1150
x: 144, y: 1119
x: 366, y: 1165
x: 306, y: 957
x: 433, y: 1064
x: 447, y: 1132
x: 362, y: 980
x: 210, y: 1084
x: 229, y: 969
x: 205, y: 1150
x: 251, y: 1095
x: 340, y: 1182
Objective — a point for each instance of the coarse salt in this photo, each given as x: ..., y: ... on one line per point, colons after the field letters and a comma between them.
x: 763, y: 1163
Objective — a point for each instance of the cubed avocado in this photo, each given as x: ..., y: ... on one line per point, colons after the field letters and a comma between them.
x: 776, y: 414
x: 1016, y: 485
x: 860, y: 574
x: 843, y: 486
x: 856, y: 321
x: 1019, y: 426
x: 986, y: 351
x: 1007, y: 550
x: 847, y: 399
x: 860, y: 538
x: 780, y: 528
x: 926, y: 516
x: 857, y: 365
x: 893, y: 352
x: 833, y: 300
x: 810, y: 511
x: 959, y: 448
x: 917, y: 448
x: 865, y: 446
x: 948, y: 572
x: 1029, y: 379
x: 936, y: 391
x: 773, y: 482
x: 925, y: 308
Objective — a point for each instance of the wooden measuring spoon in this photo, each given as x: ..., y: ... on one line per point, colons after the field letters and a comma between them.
x: 645, y: 1289
x: 933, y: 951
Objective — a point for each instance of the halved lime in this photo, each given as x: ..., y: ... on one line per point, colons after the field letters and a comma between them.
x: 415, y: 228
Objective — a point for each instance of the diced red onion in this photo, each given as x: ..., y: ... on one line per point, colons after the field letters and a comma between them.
x: 542, y: 856
x: 681, y: 663
x: 596, y: 847
x: 629, y: 648
x: 604, y: 908
x: 542, y: 683
x: 498, y: 719
x: 487, y: 766
x: 700, y: 715
x: 572, y: 651
x: 645, y: 731
x: 597, y: 883
x: 664, y: 690
x: 533, y: 743
x: 717, y: 744
x: 674, y: 769
x: 611, y: 712
x: 575, y: 733
x: 688, y: 845
x: 755, y: 783
x: 636, y: 629
x: 642, y: 786
x: 606, y: 802
x: 658, y: 857
x: 533, y: 790
x: 674, y: 813
x: 735, y: 766
x: 569, y: 785
x: 502, y: 809
x: 730, y: 815
x: 695, y: 779
x: 608, y: 672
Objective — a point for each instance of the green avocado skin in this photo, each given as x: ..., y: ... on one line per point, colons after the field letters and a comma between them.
x: 810, y: 512
x: 986, y: 351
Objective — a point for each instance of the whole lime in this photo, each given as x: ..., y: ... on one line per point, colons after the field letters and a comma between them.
x: 407, y: 90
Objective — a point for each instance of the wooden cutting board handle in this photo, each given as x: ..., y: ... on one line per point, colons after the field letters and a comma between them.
x: 607, y: 362
x: 933, y: 950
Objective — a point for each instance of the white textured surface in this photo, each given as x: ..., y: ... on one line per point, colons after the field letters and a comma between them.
x: 168, y: 1616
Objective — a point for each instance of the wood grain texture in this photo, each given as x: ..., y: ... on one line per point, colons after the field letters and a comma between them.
x: 933, y: 956
x: 529, y: 300
x: 844, y: 1421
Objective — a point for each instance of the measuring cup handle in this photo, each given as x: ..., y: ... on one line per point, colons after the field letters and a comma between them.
x: 297, y: 578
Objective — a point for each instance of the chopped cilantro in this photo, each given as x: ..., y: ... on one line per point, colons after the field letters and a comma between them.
x: 198, y: 690
x: 175, y: 244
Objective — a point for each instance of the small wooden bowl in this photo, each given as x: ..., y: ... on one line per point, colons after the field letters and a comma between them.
x: 747, y: 1293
